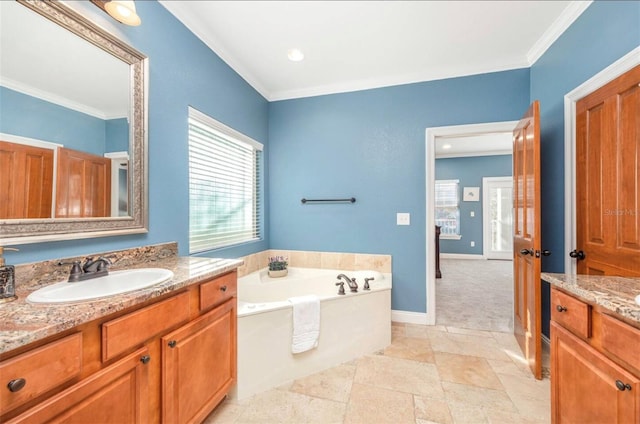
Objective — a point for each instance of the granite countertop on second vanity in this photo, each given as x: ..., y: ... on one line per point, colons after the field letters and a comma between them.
x: 614, y: 294
x: 22, y: 323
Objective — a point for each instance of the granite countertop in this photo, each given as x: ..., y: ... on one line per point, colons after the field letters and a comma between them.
x: 614, y: 294
x: 22, y: 323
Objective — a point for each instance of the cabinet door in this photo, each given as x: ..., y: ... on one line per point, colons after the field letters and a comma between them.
x: 117, y: 394
x: 199, y: 365
x: 584, y: 384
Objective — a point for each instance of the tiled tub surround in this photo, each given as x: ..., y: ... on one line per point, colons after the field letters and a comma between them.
x: 613, y: 294
x: 322, y: 260
x: 22, y: 323
x: 351, y: 325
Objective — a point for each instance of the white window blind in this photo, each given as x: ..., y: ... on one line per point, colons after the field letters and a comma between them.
x: 224, y: 185
x: 447, y: 207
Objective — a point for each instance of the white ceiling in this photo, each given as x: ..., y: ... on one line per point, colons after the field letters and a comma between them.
x: 486, y: 144
x: 44, y: 60
x: 355, y: 45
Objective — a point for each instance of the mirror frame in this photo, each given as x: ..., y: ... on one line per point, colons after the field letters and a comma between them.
x: 21, y: 231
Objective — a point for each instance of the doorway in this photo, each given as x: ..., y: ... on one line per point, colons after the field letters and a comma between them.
x: 432, y: 136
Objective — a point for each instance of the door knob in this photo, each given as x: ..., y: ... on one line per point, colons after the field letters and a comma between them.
x: 577, y: 254
x: 526, y: 252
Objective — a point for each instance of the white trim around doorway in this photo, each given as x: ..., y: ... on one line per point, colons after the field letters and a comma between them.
x: 430, y: 156
x: 608, y: 74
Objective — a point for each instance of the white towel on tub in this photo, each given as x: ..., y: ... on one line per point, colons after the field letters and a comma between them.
x: 306, y: 323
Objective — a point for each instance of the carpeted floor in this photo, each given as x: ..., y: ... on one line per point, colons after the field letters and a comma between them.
x: 475, y: 294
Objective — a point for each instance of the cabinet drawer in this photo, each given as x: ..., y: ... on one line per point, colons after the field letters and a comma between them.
x: 129, y: 331
x: 42, y: 369
x: 571, y: 313
x: 216, y: 291
x: 621, y: 339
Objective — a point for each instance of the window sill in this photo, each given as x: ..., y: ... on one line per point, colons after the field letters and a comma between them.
x: 448, y: 237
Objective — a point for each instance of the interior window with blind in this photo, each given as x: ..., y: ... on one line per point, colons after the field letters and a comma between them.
x: 448, y: 208
x: 224, y: 185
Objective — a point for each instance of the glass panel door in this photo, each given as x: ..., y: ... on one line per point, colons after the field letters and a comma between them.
x: 498, y: 217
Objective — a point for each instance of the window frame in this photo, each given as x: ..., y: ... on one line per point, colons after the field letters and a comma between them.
x: 446, y: 236
x: 240, y: 141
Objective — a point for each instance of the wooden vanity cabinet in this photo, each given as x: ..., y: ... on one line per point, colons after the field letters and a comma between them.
x: 170, y: 360
x: 199, y: 365
x: 114, y: 395
x: 593, y: 379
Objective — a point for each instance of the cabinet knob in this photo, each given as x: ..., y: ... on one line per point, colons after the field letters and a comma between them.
x: 560, y: 308
x: 145, y: 359
x: 223, y: 288
x: 526, y: 252
x: 622, y: 386
x: 172, y: 343
x: 16, y: 384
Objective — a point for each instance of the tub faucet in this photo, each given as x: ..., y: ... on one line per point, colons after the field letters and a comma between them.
x: 351, y: 282
x: 366, y: 283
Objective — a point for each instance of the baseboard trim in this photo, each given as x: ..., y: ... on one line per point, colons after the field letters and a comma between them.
x: 460, y: 256
x: 409, y: 317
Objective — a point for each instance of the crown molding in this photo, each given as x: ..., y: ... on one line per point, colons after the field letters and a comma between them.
x: 200, y: 30
x: 557, y: 28
x: 372, y: 83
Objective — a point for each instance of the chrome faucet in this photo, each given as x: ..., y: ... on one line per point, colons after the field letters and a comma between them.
x: 89, y: 269
x: 351, y: 282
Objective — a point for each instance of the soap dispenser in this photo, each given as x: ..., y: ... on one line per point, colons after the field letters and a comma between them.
x: 7, y: 279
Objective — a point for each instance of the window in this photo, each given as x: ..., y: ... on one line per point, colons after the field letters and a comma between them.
x: 448, y: 208
x: 224, y: 185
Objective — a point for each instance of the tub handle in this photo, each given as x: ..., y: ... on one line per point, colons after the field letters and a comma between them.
x: 366, y: 283
x: 341, y: 289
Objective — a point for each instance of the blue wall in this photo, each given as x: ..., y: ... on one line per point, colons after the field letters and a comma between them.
x: 183, y: 71
x: 605, y: 32
x: 117, y: 135
x: 31, y: 117
x: 371, y: 145
x: 470, y: 170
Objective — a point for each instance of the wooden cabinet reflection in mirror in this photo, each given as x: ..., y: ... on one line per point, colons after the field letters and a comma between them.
x: 83, y: 183
x: 26, y: 181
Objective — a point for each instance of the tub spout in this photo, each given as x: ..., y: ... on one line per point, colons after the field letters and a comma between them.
x: 351, y: 282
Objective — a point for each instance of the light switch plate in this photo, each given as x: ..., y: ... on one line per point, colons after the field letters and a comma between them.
x: 403, y: 218
x: 473, y: 214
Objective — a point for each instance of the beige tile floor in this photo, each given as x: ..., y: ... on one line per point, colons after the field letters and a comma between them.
x: 429, y: 374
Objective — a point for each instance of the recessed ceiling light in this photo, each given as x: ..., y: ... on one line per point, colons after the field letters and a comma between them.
x: 446, y: 146
x: 295, y: 55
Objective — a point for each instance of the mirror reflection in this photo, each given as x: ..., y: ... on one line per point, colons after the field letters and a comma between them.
x: 65, y: 108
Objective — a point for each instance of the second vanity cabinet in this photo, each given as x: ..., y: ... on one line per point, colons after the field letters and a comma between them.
x: 595, y: 364
x: 171, y: 360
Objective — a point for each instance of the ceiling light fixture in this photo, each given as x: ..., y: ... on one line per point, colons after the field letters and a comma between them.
x: 123, y: 11
x: 295, y: 55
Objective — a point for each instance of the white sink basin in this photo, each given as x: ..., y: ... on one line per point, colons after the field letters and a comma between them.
x: 117, y: 282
